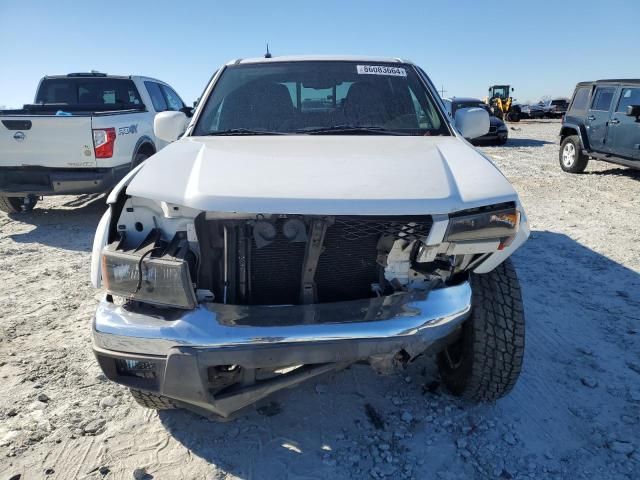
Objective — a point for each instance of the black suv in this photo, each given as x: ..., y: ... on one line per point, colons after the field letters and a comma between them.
x: 602, y: 123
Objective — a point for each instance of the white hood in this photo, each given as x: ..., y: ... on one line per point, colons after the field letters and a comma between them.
x: 320, y: 174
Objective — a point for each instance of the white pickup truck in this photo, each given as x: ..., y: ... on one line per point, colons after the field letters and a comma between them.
x: 318, y: 211
x: 83, y: 133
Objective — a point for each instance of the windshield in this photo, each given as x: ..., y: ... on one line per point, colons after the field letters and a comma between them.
x: 501, y: 92
x: 318, y: 97
x: 478, y: 104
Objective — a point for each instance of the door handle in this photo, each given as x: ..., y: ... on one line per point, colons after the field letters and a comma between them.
x: 614, y: 121
x: 591, y: 117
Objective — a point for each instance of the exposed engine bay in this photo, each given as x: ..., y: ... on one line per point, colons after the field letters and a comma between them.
x: 280, y: 259
x: 285, y: 259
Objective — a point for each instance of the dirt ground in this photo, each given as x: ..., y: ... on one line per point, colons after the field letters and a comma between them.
x: 575, y: 412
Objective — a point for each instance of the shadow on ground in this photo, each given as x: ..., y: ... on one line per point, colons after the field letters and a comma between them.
x: 524, y: 142
x: 618, y: 172
x: 574, y: 298
x: 70, y: 225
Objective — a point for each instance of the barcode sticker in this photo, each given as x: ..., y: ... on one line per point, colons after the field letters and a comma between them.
x: 381, y: 70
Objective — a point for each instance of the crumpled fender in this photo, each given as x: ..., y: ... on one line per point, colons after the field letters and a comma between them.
x: 99, y: 242
x: 102, y: 231
x: 122, y: 184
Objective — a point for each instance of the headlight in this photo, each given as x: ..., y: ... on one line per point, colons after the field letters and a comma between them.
x: 159, y: 281
x: 499, y: 224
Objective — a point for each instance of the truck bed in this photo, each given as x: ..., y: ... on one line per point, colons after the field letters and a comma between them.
x: 74, y: 110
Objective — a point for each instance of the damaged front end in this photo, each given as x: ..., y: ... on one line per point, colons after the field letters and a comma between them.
x: 217, y: 310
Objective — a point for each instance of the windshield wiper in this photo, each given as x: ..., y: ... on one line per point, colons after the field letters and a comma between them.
x: 372, y: 130
x: 242, y: 131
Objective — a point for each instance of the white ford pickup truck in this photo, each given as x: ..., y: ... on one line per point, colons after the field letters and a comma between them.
x: 318, y: 211
x: 84, y: 132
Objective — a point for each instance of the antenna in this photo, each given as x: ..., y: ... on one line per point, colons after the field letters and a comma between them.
x: 268, y: 54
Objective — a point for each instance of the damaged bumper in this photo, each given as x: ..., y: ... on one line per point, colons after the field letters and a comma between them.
x: 171, y: 355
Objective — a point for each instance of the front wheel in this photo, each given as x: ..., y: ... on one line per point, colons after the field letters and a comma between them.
x: 17, y: 204
x: 513, y: 117
x: 572, y: 159
x: 151, y: 400
x: 485, y: 362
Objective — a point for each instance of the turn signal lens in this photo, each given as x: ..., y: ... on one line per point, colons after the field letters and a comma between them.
x: 499, y: 224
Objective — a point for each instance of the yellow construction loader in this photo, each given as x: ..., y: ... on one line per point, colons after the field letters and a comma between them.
x: 501, y: 103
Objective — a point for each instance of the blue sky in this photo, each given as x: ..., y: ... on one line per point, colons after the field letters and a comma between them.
x: 540, y: 47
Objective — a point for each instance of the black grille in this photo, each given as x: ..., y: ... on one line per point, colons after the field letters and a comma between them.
x: 408, y: 228
x: 276, y: 271
x: 347, y: 266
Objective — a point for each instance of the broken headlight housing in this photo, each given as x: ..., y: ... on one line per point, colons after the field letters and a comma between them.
x: 484, y: 224
x: 157, y: 273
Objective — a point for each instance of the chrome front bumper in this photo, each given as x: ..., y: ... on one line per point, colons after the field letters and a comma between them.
x: 403, y: 319
x: 174, y: 355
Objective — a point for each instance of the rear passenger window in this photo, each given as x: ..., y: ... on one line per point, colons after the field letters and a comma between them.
x: 602, y: 99
x: 89, y: 92
x: 580, y: 99
x: 629, y: 96
x: 157, y: 98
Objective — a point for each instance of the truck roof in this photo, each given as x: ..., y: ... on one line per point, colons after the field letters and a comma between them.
x: 102, y: 75
x: 612, y: 80
x: 318, y: 58
x: 87, y: 75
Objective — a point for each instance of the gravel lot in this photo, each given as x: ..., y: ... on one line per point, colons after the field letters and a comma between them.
x: 574, y: 414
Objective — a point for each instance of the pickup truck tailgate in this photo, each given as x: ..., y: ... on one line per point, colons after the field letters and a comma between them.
x: 46, y: 141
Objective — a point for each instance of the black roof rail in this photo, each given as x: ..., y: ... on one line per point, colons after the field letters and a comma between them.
x: 619, y: 80
x: 87, y: 74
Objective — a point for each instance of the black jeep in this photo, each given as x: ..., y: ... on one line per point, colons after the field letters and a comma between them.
x: 602, y: 123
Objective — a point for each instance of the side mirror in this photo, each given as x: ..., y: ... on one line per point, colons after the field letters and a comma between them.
x: 188, y: 111
x: 472, y: 122
x: 168, y: 126
x: 633, y: 111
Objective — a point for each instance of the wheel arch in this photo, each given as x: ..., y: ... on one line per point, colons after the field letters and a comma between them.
x: 569, y: 129
x: 144, y: 145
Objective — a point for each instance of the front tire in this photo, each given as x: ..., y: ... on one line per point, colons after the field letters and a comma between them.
x: 513, y: 117
x: 485, y: 362
x: 572, y: 160
x: 17, y: 204
x: 138, y: 159
x: 151, y: 400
